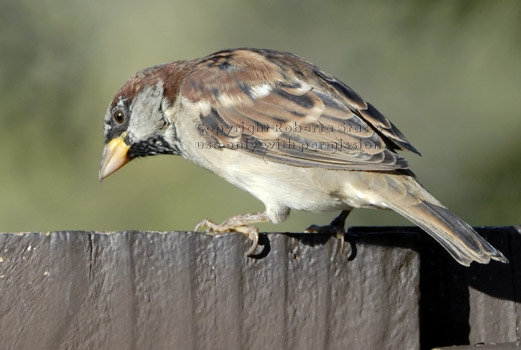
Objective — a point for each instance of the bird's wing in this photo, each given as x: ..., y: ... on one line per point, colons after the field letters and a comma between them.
x: 277, y: 106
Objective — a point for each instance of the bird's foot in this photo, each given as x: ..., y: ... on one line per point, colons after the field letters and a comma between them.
x: 236, y: 223
x: 335, y: 229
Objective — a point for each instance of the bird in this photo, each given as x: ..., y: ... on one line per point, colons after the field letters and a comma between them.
x: 284, y: 130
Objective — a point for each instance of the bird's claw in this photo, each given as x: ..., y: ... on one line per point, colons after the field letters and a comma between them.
x: 213, y: 229
x: 331, y: 230
x: 255, y: 243
x: 204, y: 223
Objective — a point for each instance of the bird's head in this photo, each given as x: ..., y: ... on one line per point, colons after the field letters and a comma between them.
x: 137, y: 122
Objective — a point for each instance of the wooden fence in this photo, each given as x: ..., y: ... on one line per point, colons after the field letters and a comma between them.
x: 395, y: 289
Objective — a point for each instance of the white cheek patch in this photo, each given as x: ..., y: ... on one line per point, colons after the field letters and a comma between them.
x: 145, y: 113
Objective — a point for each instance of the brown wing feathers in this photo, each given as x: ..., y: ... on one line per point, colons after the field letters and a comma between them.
x: 369, y: 113
x: 299, y: 115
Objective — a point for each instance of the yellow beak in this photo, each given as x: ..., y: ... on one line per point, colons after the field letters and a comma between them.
x: 114, y: 156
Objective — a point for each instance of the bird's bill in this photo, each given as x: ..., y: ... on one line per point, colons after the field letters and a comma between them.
x: 114, y: 157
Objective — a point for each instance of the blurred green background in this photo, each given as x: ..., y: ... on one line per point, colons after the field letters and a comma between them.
x: 447, y: 73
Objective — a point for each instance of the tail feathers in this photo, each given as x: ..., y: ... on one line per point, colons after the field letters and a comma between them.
x: 456, y: 236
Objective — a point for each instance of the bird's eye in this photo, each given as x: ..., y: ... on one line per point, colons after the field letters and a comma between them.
x: 119, y: 116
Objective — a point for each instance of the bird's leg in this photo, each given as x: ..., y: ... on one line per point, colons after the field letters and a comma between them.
x: 335, y: 228
x: 237, y: 223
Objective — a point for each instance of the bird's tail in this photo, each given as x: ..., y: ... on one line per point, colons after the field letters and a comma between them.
x: 455, y: 235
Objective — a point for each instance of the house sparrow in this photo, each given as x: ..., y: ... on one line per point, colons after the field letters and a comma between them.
x: 287, y: 132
